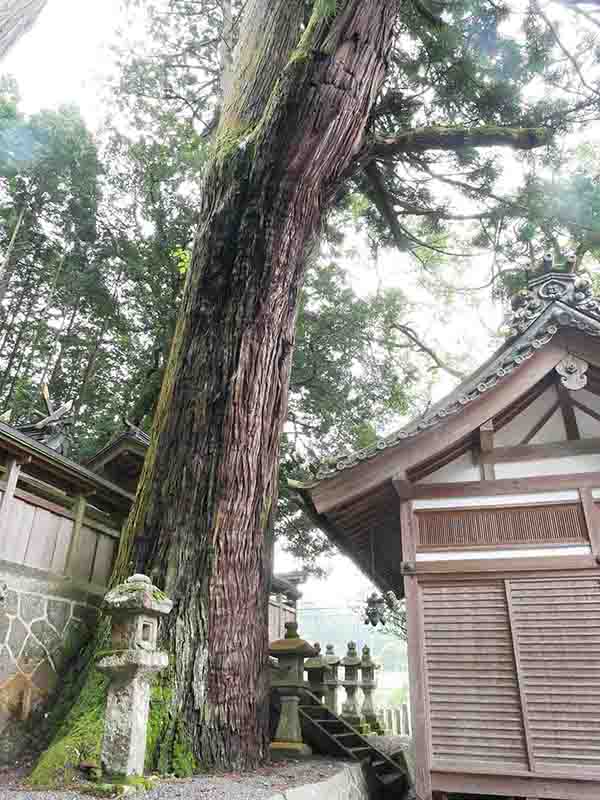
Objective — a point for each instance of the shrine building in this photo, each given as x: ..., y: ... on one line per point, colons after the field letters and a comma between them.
x: 484, y: 514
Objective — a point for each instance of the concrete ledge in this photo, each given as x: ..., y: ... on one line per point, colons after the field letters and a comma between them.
x: 348, y: 784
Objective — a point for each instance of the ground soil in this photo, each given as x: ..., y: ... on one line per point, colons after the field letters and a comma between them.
x: 260, y: 784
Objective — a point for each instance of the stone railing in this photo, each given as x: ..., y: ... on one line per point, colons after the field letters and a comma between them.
x: 395, y: 720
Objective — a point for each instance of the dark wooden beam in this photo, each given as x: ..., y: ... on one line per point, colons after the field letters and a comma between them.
x: 540, y: 483
x: 568, y: 414
x: 486, y: 447
x: 533, y: 452
x: 476, y: 566
x: 402, y: 485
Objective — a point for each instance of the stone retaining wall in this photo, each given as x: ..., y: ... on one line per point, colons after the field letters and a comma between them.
x: 348, y: 784
x: 44, y: 619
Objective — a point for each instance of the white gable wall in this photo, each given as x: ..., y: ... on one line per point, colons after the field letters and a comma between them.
x: 464, y: 468
x: 549, y: 466
x: 517, y: 429
x: 461, y: 469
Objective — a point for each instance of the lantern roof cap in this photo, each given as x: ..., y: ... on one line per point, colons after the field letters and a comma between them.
x: 137, y: 595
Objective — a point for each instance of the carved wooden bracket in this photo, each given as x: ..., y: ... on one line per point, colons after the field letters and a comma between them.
x: 572, y: 371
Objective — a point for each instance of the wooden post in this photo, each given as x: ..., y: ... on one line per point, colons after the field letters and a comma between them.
x: 80, y: 504
x: 592, y: 519
x: 568, y: 412
x: 419, y: 699
x: 13, y: 469
x: 486, y: 445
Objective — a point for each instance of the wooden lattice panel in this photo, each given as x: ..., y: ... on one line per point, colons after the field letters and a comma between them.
x: 475, y: 709
x: 485, y: 527
x: 557, y: 622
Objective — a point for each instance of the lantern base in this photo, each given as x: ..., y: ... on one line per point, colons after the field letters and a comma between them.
x: 283, y: 750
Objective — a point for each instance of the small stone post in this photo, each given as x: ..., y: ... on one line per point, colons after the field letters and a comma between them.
x: 367, y: 684
x: 405, y: 720
x: 317, y: 667
x: 351, y: 663
x: 332, y: 680
x: 288, y: 680
x: 135, y: 607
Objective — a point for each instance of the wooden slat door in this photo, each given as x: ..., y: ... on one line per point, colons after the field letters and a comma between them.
x: 474, y: 695
x: 557, y: 622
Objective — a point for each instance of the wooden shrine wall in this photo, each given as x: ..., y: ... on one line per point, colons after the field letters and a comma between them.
x: 558, y: 523
x: 513, y: 673
x: 42, y: 534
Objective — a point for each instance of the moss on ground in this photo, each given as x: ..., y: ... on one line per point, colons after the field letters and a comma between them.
x: 78, y: 738
x: 184, y: 762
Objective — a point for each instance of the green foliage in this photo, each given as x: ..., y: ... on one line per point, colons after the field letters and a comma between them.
x: 325, y: 8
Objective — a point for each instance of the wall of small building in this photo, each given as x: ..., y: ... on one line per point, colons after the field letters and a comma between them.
x: 56, y: 557
x: 45, y: 618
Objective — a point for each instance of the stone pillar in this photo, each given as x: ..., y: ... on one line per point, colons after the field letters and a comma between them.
x: 405, y: 720
x: 135, y: 607
x: 368, y: 684
x: 288, y: 682
x: 317, y: 668
x: 351, y: 663
x: 332, y: 680
x: 389, y: 720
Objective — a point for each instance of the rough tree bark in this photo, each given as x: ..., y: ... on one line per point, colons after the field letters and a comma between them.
x: 293, y: 121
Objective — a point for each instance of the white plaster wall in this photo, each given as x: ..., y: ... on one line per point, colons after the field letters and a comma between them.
x: 519, y: 427
x: 461, y: 469
x: 589, y: 428
x: 553, y: 430
x: 549, y: 466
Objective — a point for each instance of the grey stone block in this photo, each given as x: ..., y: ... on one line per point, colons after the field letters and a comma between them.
x: 17, y: 636
x: 4, y: 626
x: 31, y: 654
x: 11, y: 602
x: 58, y: 614
x: 45, y: 677
x: 32, y: 607
x: 46, y: 634
x: 7, y: 665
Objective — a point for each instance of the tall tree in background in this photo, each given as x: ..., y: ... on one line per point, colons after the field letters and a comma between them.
x: 303, y: 118
x: 16, y: 18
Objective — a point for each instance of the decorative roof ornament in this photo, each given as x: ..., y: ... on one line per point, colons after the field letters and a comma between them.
x: 553, y: 284
x: 572, y: 371
x: 52, y: 429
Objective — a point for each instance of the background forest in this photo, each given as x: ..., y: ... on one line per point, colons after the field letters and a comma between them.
x: 96, y: 229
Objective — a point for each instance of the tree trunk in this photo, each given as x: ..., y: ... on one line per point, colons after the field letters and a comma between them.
x: 5, y: 268
x: 291, y: 126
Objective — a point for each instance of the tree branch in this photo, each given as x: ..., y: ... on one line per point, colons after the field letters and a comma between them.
x: 454, y: 138
x: 414, y: 338
x: 380, y: 197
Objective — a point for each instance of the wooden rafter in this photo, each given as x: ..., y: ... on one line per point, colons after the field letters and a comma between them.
x: 568, y: 414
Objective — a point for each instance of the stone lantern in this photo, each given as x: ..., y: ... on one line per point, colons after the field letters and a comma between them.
x: 289, y: 682
x: 331, y: 678
x: 351, y: 663
x: 317, y: 667
x: 368, y: 684
x: 135, y: 607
